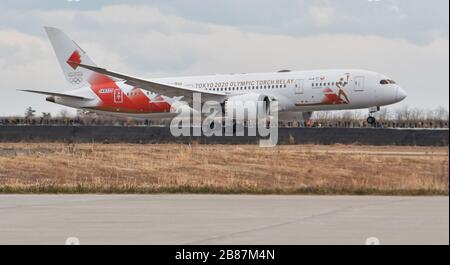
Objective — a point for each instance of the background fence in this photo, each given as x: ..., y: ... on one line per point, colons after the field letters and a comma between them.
x: 318, y: 123
x: 147, y: 134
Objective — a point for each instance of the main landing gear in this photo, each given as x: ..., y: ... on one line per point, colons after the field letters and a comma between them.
x: 371, y: 119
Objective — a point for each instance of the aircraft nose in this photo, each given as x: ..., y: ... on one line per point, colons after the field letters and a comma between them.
x: 401, y: 94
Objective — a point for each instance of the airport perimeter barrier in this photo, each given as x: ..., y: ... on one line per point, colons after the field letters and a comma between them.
x: 425, y: 124
x: 147, y: 134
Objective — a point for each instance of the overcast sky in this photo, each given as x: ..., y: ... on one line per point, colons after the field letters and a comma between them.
x: 407, y: 40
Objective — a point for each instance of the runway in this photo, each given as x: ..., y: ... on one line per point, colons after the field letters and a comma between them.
x: 222, y: 219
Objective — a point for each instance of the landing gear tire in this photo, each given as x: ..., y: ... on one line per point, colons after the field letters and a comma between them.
x: 371, y: 120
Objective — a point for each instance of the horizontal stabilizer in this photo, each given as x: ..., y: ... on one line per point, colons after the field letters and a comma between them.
x: 55, y: 94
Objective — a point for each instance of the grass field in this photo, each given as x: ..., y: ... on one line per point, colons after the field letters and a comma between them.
x: 173, y: 168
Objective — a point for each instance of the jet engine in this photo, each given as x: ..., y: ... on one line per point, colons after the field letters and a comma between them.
x: 248, y: 105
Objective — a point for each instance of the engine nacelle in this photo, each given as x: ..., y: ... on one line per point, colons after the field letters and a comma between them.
x: 247, y: 106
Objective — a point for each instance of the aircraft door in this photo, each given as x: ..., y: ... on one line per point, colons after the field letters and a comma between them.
x: 299, y: 86
x: 359, y: 83
x: 118, y: 96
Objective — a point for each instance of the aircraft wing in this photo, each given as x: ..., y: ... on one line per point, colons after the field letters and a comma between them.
x: 160, y: 88
x: 54, y: 94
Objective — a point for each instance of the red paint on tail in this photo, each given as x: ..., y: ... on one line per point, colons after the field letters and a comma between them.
x: 74, y: 60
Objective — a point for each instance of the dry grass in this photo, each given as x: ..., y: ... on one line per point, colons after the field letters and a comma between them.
x: 301, y: 169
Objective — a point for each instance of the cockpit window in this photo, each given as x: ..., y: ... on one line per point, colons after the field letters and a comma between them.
x: 387, y: 82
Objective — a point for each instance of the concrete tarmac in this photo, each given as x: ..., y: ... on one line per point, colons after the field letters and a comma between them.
x: 222, y: 219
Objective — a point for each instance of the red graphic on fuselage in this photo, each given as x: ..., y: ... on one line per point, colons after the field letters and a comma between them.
x: 330, y: 96
x: 112, y: 97
x: 115, y: 100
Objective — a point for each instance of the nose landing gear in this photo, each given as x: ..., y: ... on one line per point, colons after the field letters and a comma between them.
x: 371, y: 119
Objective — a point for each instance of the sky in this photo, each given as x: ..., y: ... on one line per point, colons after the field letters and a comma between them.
x: 407, y: 40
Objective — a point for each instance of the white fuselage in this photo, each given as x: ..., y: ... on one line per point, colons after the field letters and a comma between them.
x: 295, y: 91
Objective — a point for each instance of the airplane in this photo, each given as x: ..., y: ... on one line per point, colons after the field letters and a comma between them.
x: 297, y: 93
